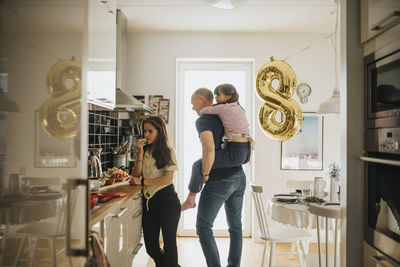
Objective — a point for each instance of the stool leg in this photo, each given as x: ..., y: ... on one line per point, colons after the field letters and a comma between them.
x: 264, y: 252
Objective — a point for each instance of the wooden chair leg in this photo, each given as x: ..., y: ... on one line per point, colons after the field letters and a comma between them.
x: 52, y: 243
x: 33, y: 253
x: 299, y: 254
x: 272, y: 254
x: 20, y: 250
x: 264, y: 252
x: 292, y: 250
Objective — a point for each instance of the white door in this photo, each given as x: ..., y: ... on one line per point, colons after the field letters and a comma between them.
x: 191, y: 75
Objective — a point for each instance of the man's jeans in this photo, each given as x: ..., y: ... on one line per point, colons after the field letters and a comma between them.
x: 215, y: 193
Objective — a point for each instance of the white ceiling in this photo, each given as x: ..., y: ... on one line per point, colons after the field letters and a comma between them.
x: 265, y: 16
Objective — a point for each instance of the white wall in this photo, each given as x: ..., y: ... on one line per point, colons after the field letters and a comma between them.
x: 151, y: 70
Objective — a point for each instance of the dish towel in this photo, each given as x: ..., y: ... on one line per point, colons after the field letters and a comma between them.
x: 99, y: 257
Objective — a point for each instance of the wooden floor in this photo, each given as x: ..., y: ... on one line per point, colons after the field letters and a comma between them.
x: 190, y: 253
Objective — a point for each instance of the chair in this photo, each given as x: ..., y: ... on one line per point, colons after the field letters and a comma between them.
x: 331, y: 214
x: 282, y: 234
x: 51, y: 229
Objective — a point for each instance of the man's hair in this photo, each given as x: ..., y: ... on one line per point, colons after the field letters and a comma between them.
x: 207, y: 93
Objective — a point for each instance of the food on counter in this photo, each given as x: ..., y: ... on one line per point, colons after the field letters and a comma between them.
x: 115, y: 173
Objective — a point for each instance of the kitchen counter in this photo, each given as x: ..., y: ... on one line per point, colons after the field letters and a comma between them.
x: 112, y: 205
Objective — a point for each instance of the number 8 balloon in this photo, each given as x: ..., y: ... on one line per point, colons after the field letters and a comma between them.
x: 278, y: 100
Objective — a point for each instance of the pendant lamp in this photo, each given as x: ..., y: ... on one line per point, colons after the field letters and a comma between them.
x: 332, y: 105
x: 226, y: 4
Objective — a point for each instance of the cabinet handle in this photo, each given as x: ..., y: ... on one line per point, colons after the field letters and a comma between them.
x: 137, y: 214
x: 137, y: 196
x: 105, y: 100
x: 104, y: 4
x: 381, y: 161
x: 121, y: 212
x: 137, y: 249
x: 379, y: 26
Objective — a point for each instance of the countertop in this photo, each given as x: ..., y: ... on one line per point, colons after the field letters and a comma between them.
x: 110, y: 206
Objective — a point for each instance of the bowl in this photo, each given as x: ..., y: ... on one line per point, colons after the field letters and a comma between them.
x: 93, y: 200
x: 94, y: 185
x: 110, y: 181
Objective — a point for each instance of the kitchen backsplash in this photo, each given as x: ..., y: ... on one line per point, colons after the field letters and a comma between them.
x: 103, y: 132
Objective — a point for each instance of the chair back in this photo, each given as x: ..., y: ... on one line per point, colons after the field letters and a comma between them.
x: 260, y: 209
x: 331, y: 213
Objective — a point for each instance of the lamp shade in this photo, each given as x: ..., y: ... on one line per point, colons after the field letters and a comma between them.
x: 330, y: 106
x: 226, y: 4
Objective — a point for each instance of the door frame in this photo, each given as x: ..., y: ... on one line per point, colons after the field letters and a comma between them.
x: 214, y: 64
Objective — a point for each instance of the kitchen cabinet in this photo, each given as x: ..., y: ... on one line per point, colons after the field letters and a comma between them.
x: 122, y: 232
x: 377, y: 16
x: 101, y: 76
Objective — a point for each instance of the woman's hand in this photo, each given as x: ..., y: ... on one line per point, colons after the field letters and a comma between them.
x: 135, y: 181
x: 140, y: 144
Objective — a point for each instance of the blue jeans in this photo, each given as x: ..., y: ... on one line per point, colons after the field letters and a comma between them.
x: 228, y: 191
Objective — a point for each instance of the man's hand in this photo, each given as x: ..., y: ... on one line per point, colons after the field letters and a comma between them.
x: 205, y: 179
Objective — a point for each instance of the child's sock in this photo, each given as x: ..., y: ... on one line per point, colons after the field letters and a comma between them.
x: 190, y: 202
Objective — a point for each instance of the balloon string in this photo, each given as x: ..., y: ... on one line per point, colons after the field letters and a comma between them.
x: 308, y: 47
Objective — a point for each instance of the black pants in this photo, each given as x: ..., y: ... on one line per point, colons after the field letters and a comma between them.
x: 163, y: 214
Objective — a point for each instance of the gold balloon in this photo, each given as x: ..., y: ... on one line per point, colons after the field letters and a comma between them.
x: 278, y: 100
x: 60, y: 114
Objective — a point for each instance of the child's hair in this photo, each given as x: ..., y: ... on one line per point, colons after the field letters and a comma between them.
x: 227, y: 89
x: 161, y: 152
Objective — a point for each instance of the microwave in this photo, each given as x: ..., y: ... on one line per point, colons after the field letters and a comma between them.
x: 382, y: 84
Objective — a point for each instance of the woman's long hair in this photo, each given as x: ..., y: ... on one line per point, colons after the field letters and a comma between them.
x: 161, y: 151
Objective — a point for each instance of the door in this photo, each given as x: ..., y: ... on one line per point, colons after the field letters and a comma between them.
x: 191, y: 75
x: 41, y: 131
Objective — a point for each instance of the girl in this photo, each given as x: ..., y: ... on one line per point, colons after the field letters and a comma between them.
x: 156, y: 163
x: 237, y: 148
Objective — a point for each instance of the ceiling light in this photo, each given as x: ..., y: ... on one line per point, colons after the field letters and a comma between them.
x: 332, y: 105
x: 226, y: 4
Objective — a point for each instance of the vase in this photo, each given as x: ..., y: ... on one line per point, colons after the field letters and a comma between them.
x: 334, y: 189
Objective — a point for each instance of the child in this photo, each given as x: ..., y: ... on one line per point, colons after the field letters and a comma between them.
x: 236, y: 150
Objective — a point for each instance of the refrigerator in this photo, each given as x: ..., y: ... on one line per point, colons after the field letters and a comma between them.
x: 44, y: 60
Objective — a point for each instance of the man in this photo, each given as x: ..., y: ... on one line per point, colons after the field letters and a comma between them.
x: 224, y: 186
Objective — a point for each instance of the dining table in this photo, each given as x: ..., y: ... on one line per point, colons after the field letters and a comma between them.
x: 292, y: 213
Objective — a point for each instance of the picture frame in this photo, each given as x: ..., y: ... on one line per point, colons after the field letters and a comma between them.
x: 154, y: 102
x: 163, y: 111
x: 51, y: 152
x: 305, y: 150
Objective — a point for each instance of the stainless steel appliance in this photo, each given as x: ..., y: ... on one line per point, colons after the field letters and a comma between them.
x: 94, y: 163
x: 382, y: 151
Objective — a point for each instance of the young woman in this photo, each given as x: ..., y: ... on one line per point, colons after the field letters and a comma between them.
x: 237, y: 140
x: 154, y: 168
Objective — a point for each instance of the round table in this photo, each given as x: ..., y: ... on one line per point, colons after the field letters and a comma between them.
x: 30, y: 208
x: 293, y: 214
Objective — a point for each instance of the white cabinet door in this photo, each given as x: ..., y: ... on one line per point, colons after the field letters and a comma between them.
x: 102, y: 53
x: 377, y: 16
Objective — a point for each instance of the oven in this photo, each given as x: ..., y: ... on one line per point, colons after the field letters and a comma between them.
x: 382, y: 151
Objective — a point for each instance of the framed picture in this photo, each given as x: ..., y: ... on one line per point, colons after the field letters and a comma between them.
x: 163, y: 111
x: 154, y: 102
x: 51, y: 152
x: 304, y: 151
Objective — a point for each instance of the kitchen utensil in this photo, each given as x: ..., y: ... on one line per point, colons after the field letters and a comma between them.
x: 119, y: 161
x: 94, y: 163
